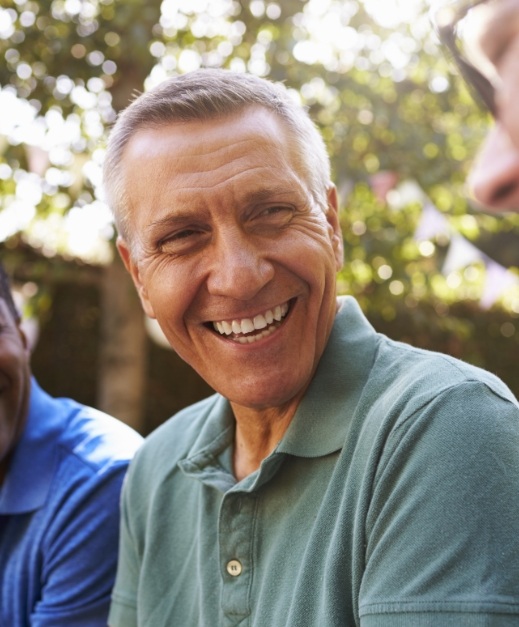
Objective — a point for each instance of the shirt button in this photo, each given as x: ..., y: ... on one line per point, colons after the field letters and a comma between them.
x: 234, y: 568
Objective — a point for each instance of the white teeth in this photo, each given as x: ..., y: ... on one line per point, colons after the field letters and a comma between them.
x: 250, y: 339
x: 259, y: 322
x: 246, y: 325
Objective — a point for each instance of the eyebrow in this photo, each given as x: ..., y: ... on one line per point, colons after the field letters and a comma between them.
x: 249, y: 198
x: 261, y: 195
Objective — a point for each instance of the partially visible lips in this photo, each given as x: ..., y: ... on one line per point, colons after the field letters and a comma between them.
x: 249, y: 330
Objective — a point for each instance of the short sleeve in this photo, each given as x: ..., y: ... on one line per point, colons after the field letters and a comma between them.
x: 443, y: 525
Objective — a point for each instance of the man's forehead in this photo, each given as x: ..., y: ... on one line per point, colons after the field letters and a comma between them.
x: 227, y: 149
x: 248, y: 121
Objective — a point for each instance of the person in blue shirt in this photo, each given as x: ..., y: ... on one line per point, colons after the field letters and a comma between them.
x: 61, y: 470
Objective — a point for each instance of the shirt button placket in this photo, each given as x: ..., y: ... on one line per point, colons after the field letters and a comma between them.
x: 235, y: 539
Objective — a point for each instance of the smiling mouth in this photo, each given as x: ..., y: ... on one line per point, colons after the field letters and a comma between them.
x: 249, y: 330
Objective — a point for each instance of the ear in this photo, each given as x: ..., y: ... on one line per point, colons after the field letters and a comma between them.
x: 23, y: 338
x: 332, y: 216
x: 133, y: 268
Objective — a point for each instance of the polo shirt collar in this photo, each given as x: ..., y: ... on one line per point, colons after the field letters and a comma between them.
x: 33, y: 464
x: 323, y: 418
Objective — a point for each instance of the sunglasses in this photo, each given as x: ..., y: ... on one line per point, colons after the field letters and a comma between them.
x: 447, y: 20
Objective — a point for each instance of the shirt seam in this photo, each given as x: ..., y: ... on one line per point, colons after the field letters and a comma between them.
x: 396, y: 607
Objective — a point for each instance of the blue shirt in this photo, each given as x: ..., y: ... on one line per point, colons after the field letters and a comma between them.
x: 59, y: 515
x: 391, y: 501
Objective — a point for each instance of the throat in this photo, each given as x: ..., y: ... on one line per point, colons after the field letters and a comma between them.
x: 257, y: 435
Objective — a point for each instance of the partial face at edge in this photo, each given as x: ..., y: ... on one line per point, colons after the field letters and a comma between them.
x: 14, y: 382
x: 235, y: 260
x: 495, y: 175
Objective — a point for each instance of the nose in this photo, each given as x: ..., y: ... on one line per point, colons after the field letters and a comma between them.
x: 239, y: 268
x: 494, y: 179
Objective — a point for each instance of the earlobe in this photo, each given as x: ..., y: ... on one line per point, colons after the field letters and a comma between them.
x: 332, y: 215
x: 133, y: 269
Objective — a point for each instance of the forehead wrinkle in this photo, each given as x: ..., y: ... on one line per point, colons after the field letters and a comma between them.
x: 204, y: 147
x: 233, y: 179
x: 208, y: 151
x: 244, y: 195
x: 260, y: 149
x: 259, y: 160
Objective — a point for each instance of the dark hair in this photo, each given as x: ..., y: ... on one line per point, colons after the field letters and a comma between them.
x: 6, y: 294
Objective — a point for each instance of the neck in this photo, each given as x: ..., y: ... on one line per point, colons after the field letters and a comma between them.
x: 257, y: 435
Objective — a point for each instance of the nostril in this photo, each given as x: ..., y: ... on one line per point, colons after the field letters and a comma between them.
x: 495, y: 174
x: 502, y: 192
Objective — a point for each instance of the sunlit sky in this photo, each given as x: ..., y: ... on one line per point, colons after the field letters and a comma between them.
x: 54, y: 145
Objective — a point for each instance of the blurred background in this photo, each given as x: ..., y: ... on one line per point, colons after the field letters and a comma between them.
x: 427, y: 266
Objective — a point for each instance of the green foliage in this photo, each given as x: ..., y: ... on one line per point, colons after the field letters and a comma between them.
x: 383, y: 98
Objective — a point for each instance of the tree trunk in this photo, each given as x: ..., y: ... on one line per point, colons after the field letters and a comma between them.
x: 122, y: 370
x: 123, y: 359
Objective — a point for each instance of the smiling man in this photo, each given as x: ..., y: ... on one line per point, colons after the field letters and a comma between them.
x: 61, y: 470
x: 336, y: 477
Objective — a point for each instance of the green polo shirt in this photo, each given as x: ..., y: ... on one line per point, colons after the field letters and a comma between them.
x: 392, y: 500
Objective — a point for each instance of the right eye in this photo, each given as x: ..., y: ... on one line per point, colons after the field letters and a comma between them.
x: 182, y: 241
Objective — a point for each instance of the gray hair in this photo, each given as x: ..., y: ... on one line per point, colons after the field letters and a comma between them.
x: 203, y: 95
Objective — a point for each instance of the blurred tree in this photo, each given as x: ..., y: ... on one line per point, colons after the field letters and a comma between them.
x: 80, y: 62
x: 369, y: 72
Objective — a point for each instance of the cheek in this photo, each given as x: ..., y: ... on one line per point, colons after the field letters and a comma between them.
x: 171, y: 290
x: 510, y: 116
x: 508, y: 97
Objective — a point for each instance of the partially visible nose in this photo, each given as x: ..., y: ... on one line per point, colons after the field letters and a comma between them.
x: 239, y: 268
x: 494, y: 179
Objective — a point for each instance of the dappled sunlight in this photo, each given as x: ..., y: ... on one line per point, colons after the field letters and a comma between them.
x: 391, y: 13
x: 370, y: 73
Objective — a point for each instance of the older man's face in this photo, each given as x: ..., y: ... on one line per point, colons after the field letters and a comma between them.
x: 232, y: 256
x: 14, y: 383
x: 495, y: 175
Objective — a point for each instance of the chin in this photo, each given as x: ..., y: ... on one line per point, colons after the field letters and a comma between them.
x: 271, y: 399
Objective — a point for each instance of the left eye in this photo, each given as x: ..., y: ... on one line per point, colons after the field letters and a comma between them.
x: 183, y: 234
x: 275, y: 209
x: 182, y: 241
x: 275, y: 214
